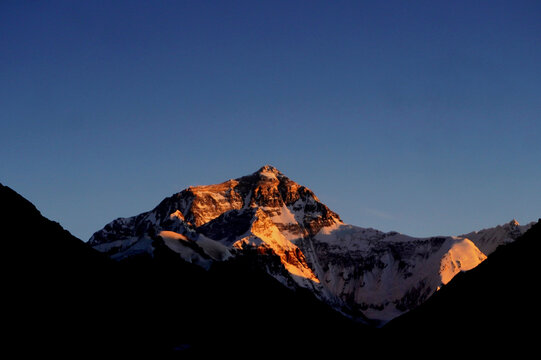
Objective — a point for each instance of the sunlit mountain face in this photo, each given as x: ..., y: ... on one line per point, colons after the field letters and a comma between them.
x: 277, y: 272
x: 61, y: 296
x: 365, y: 274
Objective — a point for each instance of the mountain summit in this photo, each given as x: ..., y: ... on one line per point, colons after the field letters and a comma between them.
x: 264, y: 211
x: 289, y: 233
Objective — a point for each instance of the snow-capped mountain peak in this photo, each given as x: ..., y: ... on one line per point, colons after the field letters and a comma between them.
x: 269, y: 171
x: 487, y: 240
x: 362, y: 272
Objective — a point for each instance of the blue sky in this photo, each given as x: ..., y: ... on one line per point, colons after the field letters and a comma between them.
x: 416, y: 116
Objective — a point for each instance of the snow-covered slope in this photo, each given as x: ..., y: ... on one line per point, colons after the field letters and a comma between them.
x: 364, y: 273
x: 487, y: 240
x: 382, y: 275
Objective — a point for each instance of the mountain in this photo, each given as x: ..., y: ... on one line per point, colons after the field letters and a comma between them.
x: 368, y: 275
x: 62, y: 297
x: 494, y: 307
x: 48, y: 277
x: 217, y: 288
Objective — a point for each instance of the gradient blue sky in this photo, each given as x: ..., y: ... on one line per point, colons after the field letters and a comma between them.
x: 416, y: 116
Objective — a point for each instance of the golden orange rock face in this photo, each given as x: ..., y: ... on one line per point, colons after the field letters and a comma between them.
x: 272, y: 239
x: 266, y: 210
x: 268, y: 190
x: 283, y: 211
x: 211, y: 201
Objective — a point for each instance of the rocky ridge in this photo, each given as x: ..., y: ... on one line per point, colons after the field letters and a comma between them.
x: 366, y: 274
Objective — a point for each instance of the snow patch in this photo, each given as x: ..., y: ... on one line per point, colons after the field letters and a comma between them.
x: 171, y: 235
x: 462, y: 256
x: 281, y: 215
x: 134, y: 247
x: 180, y: 244
x: 177, y: 215
x: 213, y: 248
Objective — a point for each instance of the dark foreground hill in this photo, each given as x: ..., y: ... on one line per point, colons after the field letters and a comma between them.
x: 62, y: 297
x: 494, y: 307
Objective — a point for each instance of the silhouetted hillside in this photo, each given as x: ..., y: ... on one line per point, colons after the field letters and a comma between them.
x: 50, y: 281
x: 63, y: 297
x: 494, y: 306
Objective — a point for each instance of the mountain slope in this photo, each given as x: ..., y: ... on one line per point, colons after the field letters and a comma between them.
x: 21, y: 219
x: 496, y: 300
x: 62, y: 297
x: 48, y: 277
x: 363, y: 273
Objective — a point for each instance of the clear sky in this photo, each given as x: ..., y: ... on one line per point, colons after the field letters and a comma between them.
x: 422, y: 117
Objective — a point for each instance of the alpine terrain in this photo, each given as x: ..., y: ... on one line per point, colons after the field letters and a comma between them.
x: 287, y: 232
x: 62, y: 297
x: 493, y: 308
